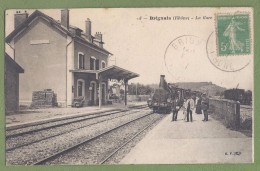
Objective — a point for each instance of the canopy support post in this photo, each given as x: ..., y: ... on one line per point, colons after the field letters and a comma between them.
x: 99, y: 91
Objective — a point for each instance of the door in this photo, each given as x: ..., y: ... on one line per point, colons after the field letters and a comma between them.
x: 80, y: 88
x: 93, y: 93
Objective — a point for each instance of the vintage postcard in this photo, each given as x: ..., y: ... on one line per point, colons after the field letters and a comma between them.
x: 93, y: 86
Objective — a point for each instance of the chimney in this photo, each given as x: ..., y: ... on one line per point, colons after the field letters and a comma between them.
x: 88, y: 29
x: 162, y: 81
x: 19, y: 18
x: 98, y: 37
x: 65, y: 18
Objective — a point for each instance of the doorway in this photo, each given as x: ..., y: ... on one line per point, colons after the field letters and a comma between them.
x: 103, y: 93
x: 80, y: 88
x: 93, y: 93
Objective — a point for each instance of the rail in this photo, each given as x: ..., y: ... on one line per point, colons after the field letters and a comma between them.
x: 55, y: 135
x: 46, y: 159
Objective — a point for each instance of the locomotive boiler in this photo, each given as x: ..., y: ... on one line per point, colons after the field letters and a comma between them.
x: 162, y: 99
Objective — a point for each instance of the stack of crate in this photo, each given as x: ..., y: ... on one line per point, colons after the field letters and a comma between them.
x: 46, y: 98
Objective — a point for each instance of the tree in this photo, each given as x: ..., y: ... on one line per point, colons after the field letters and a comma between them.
x: 219, y: 93
x: 139, y: 89
x: 122, y: 92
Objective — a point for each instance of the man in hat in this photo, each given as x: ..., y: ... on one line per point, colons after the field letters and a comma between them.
x: 174, y: 109
x: 189, y: 105
x: 205, y: 106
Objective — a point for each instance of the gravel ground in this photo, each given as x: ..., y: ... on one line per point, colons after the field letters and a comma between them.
x: 34, y: 152
x: 48, y: 133
x: 246, y: 122
x: 245, y: 113
x: 96, y: 151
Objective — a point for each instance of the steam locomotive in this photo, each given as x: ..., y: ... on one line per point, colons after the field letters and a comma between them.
x: 161, y: 100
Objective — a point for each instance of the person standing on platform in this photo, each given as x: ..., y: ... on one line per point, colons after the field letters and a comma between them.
x: 193, y: 96
x: 184, y: 110
x: 174, y: 109
x: 189, y: 106
x: 205, y: 106
x: 198, y: 105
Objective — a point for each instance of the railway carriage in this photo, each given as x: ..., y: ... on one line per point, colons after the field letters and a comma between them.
x: 244, y: 97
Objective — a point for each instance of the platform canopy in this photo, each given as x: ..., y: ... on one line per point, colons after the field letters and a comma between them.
x: 115, y: 72
x: 111, y: 72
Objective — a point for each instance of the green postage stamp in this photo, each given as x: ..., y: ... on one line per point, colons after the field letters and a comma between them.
x: 233, y: 36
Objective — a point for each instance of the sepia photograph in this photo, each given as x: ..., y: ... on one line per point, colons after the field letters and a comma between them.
x: 120, y: 86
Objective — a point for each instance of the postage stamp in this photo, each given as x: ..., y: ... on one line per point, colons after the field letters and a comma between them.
x: 233, y: 34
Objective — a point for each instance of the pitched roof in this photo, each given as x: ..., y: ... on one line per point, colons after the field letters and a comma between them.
x: 69, y: 31
x: 16, y: 66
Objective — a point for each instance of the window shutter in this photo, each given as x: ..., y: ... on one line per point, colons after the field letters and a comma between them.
x: 83, y: 61
x: 91, y: 64
x: 97, y: 64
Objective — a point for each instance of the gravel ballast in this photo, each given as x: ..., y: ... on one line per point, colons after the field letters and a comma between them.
x: 97, y: 150
x: 24, y: 139
x: 34, y: 152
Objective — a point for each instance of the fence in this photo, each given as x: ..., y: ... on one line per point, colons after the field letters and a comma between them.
x: 227, y: 111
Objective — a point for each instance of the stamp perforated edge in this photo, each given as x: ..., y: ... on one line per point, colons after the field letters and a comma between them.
x: 249, y: 26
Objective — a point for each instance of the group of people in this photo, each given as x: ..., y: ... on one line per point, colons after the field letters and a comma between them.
x: 201, y: 103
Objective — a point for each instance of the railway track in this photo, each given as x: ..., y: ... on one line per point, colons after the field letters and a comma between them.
x: 113, y: 153
x: 53, y: 124
x: 89, y: 140
x: 12, y: 132
x: 31, y: 152
x: 31, y: 133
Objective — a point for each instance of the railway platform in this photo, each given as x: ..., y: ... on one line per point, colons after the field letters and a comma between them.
x: 196, y: 142
x: 38, y: 116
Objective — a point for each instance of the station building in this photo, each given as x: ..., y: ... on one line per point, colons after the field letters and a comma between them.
x: 61, y: 57
x: 11, y: 78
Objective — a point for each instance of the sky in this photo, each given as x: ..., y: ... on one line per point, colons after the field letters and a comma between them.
x: 142, y: 43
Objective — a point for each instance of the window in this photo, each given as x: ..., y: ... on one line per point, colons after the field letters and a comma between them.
x: 81, y: 60
x: 103, y: 64
x: 92, y: 63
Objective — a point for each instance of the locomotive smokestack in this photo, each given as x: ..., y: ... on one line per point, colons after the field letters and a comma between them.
x: 162, y: 82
